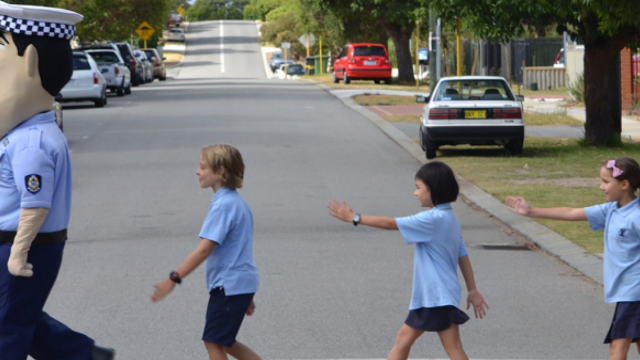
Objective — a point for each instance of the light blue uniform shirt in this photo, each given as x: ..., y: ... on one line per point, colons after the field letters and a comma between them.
x: 230, y: 225
x: 621, y: 248
x: 437, y: 236
x: 35, y: 172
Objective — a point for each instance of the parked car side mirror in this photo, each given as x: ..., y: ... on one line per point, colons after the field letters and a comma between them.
x: 422, y: 99
x: 520, y: 98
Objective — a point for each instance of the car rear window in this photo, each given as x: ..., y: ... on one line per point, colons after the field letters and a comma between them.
x: 369, y: 51
x: 150, y: 54
x: 104, y: 57
x: 176, y: 31
x: 81, y: 63
x: 474, y: 90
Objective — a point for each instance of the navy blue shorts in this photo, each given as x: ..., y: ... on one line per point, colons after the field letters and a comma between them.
x: 224, y: 316
x: 436, y: 318
x: 625, y: 323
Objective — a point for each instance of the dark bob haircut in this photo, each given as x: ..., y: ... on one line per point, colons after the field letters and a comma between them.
x: 440, y: 180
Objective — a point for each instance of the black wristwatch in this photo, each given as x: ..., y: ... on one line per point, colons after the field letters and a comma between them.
x: 175, y: 277
x: 356, y: 219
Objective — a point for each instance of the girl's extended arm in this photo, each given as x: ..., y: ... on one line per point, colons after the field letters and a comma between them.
x: 192, y: 261
x: 344, y: 213
x: 519, y: 206
x: 474, y: 297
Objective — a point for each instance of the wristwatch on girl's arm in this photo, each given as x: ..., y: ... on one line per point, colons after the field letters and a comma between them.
x: 356, y: 219
x: 175, y: 277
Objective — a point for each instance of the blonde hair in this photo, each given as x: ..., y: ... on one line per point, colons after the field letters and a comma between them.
x: 230, y: 159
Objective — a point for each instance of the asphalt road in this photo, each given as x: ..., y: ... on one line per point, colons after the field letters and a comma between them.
x: 328, y: 290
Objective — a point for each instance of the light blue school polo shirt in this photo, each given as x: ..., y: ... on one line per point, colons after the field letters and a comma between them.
x: 621, y: 248
x: 437, y: 236
x: 35, y: 172
x: 230, y: 225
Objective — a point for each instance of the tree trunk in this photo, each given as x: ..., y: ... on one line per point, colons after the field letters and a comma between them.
x: 400, y: 37
x: 602, y: 93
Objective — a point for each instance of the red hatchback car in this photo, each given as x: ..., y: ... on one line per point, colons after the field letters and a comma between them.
x: 362, y: 62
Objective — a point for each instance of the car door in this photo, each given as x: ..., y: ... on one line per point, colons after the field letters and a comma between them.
x: 340, y: 64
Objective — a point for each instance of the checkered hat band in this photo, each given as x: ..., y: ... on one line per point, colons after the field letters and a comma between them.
x: 37, y: 28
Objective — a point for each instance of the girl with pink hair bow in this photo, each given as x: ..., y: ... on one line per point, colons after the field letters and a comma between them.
x: 620, y: 219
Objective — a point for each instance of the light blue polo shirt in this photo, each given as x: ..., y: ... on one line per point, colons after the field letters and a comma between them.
x: 621, y: 248
x: 35, y: 172
x: 230, y: 225
x: 437, y: 236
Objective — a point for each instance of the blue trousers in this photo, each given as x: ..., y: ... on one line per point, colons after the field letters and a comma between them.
x: 24, y: 328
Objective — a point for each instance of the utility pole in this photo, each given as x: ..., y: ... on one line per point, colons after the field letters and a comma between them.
x: 459, y: 49
x: 417, y: 71
x: 432, y: 49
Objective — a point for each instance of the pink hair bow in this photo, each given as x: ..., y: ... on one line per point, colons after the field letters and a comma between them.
x: 611, y: 164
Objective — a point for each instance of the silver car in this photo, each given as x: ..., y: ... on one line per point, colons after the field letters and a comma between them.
x: 476, y: 110
x: 176, y: 34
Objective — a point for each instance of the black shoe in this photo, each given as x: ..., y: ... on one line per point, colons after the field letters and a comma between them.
x: 101, y: 353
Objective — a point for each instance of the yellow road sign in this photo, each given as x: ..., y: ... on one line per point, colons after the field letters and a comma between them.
x: 180, y: 10
x: 145, y: 30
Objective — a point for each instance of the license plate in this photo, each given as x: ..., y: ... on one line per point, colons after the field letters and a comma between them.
x: 475, y: 114
x: 370, y: 62
x: 104, y: 70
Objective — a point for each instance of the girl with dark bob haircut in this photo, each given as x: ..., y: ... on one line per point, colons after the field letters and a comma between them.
x: 439, y: 251
x: 441, y: 182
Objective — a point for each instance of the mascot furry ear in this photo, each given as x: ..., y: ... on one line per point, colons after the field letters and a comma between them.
x: 36, y: 60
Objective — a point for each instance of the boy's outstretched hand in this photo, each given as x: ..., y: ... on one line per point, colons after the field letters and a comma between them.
x: 163, y: 288
x: 477, y: 300
x: 340, y: 211
x: 518, y: 205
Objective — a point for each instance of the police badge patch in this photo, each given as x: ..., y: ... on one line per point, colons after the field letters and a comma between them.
x: 33, y: 183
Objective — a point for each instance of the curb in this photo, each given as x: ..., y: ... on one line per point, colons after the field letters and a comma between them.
x: 541, y: 236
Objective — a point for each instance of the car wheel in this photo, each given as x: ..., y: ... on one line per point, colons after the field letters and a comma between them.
x: 335, y: 78
x: 377, y: 81
x: 346, y: 77
x: 121, y: 90
x: 127, y: 90
x: 135, y: 80
x: 515, y: 146
x: 428, y: 146
x: 387, y: 81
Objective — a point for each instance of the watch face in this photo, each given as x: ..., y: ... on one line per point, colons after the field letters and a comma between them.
x: 356, y: 218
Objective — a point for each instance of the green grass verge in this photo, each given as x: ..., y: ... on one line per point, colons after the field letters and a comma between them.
x: 532, y: 119
x: 327, y: 79
x: 552, y: 172
x: 371, y: 100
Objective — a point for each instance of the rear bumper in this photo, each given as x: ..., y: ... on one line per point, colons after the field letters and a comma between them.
x: 366, y: 73
x: 82, y: 94
x: 474, y: 135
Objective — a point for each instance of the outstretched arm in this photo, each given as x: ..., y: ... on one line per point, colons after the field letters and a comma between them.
x: 520, y: 206
x: 31, y: 220
x: 474, y: 297
x: 343, y: 212
x: 194, y: 260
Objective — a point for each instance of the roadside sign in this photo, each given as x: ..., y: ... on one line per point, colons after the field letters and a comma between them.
x: 145, y: 31
x: 180, y: 10
x: 286, y: 45
x: 303, y: 40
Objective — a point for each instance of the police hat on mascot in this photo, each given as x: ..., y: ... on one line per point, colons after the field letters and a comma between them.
x: 36, y: 60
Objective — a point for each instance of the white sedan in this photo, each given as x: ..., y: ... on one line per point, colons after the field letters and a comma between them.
x: 476, y: 110
x: 86, y: 84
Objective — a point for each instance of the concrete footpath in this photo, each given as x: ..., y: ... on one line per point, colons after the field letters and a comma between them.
x: 541, y: 236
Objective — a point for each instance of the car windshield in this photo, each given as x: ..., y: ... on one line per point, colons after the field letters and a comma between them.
x: 81, y: 63
x: 295, y: 69
x: 455, y: 90
x: 105, y: 57
x: 176, y: 31
x: 369, y: 51
x: 150, y: 54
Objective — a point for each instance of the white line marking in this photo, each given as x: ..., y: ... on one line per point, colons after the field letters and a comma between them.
x: 222, y: 46
x: 382, y: 110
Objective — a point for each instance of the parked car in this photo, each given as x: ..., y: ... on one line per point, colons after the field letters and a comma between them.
x: 147, y: 66
x: 293, y: 69
x: 362, y: 62
x: 126, y: 52
x: 87, y: 82
x: 159, y: 71
x: 176, y: 35
x: 277, y: 59
x: 115, y: 72
x: 175, y: 18
x: 476, y: 110
x: 57, y: 110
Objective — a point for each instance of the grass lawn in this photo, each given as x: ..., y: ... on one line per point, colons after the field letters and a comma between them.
x: 552, y: 172
x: 532, y: 119
x: 371, y: 100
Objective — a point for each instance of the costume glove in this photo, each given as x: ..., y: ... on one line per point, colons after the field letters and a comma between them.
x: 31, y: 221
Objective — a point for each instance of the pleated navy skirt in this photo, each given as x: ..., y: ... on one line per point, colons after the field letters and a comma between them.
x: 625, y: 323
x: 436, y: 318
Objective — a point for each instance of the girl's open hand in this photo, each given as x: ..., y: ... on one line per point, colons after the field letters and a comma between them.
x: 477, y: 300
x: 163, y: 288
x: 340, y: 211
x: 518, y: 205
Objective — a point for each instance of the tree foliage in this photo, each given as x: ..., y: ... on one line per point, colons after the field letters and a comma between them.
x: 204, y: 10
x: 606, y: 27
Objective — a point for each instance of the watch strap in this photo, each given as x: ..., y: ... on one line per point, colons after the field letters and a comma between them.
x: 175, y: 277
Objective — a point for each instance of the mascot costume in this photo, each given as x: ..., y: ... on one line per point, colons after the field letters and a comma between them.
x: 36, y: 62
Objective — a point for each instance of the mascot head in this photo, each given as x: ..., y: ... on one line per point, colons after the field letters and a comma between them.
x: 36, y: 60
